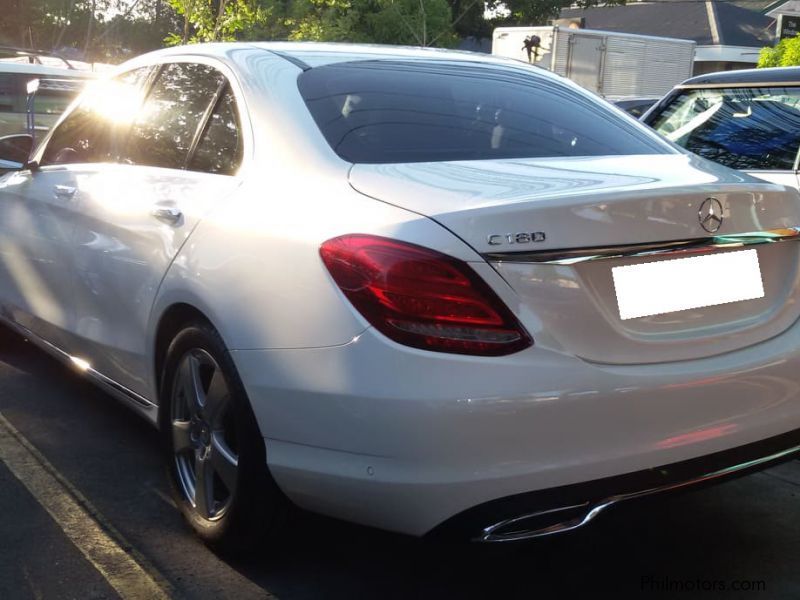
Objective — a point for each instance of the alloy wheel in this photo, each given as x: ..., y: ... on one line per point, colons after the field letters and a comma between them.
x: 203, y: 435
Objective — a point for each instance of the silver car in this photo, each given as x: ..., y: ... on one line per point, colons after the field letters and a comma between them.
x: 428, y: 291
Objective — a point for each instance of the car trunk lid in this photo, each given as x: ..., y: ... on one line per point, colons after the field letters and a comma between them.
x: 556, y: 228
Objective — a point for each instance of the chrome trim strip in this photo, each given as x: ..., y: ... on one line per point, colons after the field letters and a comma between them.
x: 758, y: 84
x: 488, y: 534
x: 676, y: 247
x: 80, y: 365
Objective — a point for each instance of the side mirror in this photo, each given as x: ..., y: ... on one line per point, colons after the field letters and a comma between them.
x: 14, y: 151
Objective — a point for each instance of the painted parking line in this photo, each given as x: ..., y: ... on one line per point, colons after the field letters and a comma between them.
x: 129, y: 573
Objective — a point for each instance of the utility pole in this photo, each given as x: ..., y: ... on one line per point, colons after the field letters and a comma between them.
x: 89, y: 29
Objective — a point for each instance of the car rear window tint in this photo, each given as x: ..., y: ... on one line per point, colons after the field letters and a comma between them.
x: 748, y: 129
x: 387, y: 111
x: 220, y: 147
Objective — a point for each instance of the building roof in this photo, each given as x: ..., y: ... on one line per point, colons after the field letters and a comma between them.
x: 707, y: 23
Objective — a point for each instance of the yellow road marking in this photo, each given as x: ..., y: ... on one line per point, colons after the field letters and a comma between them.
x: 126, y: 570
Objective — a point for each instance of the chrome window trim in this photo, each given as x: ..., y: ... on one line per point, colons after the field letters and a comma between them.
x: 701, y: 86
x: 670, y: 248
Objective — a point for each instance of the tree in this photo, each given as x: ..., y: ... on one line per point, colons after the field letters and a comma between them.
x: 410, y: 22
x: 785, y: 54
x: 214, y: 20
x: 537, y: 12
x: 469, y: 18
x: 100, y: 30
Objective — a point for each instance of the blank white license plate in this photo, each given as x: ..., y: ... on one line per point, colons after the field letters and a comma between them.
x: 667, y: 286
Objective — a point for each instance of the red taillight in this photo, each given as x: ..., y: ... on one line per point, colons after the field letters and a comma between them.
x: 422, y: 298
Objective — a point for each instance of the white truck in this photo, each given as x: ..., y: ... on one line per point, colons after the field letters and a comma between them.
x: 614, y: 65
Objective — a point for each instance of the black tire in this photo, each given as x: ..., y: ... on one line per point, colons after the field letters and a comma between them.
x: 230, y: 521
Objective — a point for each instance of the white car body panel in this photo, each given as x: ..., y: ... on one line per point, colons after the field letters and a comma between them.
x: 788, y: 178
x: 37, y: 266
x: 371, y: 448
x: 576, y: 201
x: 356, y: 425
x: 121, y: 253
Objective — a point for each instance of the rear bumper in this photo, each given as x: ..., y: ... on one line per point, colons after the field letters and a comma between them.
x: 547, y: 512
x: 406, y: 440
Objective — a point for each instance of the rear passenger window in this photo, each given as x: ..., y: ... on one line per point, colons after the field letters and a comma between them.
x: 91, y: 132
x: 220, y: 147
x: 168, y: 122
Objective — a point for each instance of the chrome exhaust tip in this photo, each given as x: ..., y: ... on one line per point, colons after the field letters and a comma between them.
x: 541, y: 523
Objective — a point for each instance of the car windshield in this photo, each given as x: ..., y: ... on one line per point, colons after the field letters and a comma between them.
x: 749, y: 129
x: 386, y: 111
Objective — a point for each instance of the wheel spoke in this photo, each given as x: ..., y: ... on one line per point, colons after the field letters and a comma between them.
x: 181, y: 439
x: 204, y: 487
x: 215, y: 398
x: 185, y: 386
x: 196, y: 396
x: 225, y: 462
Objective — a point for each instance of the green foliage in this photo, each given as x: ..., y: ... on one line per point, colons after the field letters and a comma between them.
x: 410, y: 22
x: 785, y: 54
x: 768, y: 57
x: 214, y: 20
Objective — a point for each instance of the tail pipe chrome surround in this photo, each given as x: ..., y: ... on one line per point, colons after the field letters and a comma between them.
x: 676, y: 247
x: 515, y: 527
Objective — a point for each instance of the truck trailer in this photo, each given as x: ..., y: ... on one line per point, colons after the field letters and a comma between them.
x: 613, y: 65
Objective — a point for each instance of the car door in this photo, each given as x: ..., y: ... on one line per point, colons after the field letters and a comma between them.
x: 35, y: 281
x: 38, y: 207
x: 181, y: 156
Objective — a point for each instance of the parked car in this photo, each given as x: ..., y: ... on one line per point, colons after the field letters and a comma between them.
x: 748, y: 120
x: 429, y: 291
x: 16, y: 76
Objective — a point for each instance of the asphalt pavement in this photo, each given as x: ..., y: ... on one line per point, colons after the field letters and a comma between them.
x: 740, y: 539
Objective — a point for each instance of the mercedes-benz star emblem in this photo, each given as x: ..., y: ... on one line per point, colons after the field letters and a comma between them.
x: 710, y: 215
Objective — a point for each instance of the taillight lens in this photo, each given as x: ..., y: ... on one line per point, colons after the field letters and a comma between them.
x: 422, y: 298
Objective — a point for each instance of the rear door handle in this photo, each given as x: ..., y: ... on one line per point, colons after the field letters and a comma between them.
x: 167, y: 213
x: 64, y: 192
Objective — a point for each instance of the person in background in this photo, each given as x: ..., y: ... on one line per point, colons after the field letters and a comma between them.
x: 531, y: 46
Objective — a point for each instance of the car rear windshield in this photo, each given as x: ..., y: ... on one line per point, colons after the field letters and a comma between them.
x: 748, y: 129
x: 405, y: 111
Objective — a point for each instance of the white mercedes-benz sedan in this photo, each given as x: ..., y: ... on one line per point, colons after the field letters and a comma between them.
x: 428, y: 291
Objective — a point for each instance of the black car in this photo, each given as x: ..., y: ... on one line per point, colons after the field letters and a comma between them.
x: 635, y: 106
x: 747, y: 120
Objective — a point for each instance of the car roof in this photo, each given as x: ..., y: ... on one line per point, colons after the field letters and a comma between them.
x: 314, y: 54
x: 309, y: 55
x: 746, y: 78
